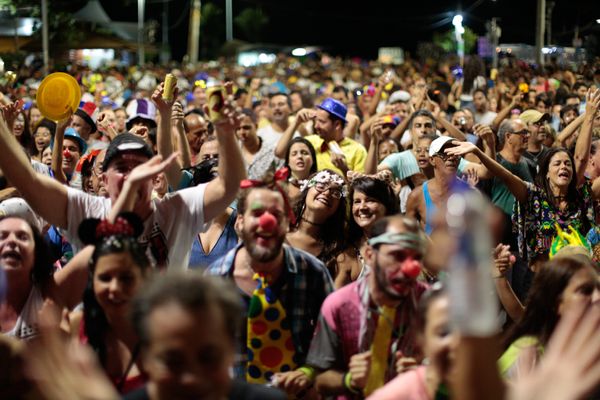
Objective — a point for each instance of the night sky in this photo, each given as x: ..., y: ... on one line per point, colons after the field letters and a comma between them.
x: 354, y: 29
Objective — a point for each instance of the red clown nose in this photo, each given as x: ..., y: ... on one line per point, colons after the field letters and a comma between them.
x: 411, y: 269
x: 66, y: 153
x: 267, y: 222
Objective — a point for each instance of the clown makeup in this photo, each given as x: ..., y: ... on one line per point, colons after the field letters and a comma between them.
x: 256, y: 205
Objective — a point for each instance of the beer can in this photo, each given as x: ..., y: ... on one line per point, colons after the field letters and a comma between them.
x: 170, y: 82
x: 216, y: 101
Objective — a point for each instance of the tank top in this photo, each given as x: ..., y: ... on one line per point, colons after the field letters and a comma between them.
x: 26, y: 327
x: 430, y: 209
x: 227, y: 241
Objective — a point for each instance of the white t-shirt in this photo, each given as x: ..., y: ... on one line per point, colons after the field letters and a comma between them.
x: 168, y: 232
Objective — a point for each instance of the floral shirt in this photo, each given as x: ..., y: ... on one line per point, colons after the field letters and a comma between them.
x: 534, y: 221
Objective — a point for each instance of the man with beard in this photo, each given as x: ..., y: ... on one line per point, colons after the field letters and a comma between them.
x: 364, y: 333
x: 295, y: 282
x: 425, y: 200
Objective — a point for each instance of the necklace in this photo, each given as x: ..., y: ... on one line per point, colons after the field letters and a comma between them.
x: 310, y: 222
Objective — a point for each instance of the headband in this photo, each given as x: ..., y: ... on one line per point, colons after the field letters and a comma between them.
x: 407, y: 240
x: 383, y: 175
x: 325, y: 177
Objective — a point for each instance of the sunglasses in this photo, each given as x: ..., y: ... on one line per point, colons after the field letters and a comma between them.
x: 443, y: 156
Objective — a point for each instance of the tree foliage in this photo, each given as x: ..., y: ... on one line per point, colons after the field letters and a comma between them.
x: 447, y: 40
x: 251, y: 22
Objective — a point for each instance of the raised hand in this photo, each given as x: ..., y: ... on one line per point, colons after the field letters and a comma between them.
x: 150, y: 169
x: 592, y: 101
x: 157, y: 98
x: 305, y: 115
x: 461, y: 148
x: 10, y: 112
x: 177, y: 113
x: 503, y: 259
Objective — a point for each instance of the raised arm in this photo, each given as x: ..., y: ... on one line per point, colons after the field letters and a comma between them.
x: 505, y: 112
x: 515, y: 184
x: 140, y: 174
x: 163, y: 135
x: 451, y: 129
x: 569, y: 130
x: 302, y: 117
x: 221, y: 191
x: 584, y: 141
x: 178, y: 131
x: 373, y: 151
x: 46, y: 196
x: 57, y: 151
x: 503, y: 261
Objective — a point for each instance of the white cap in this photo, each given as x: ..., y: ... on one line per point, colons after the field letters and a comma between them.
x: 399, y: 95
x: 438, y: 143
x: 18, y: 207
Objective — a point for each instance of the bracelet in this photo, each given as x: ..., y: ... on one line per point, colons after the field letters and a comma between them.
x: 308, y: 371
x: 348, y: 383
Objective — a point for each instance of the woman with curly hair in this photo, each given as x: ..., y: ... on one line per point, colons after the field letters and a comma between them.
x: 320, y: 217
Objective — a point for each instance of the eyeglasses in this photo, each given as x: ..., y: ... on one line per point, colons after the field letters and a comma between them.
x: 523, y: 132
x: 334, y: 191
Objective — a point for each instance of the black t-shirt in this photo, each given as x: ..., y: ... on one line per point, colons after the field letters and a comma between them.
x: 240, y: 390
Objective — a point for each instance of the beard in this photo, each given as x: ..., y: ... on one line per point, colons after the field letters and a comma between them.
x: 260, y: 253
x: 383, y: 284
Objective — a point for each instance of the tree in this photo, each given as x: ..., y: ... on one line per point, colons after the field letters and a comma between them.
x: 447, y: 40
x: 251, y: 22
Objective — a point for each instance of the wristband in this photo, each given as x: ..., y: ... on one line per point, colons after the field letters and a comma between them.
x: 308, y: 371
x: 348, y: 383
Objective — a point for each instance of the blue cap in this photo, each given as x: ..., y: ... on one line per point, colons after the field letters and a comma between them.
x: 71, y: 133
x: 334, y: 107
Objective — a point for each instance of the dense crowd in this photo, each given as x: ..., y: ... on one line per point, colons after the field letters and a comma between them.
x: 306, y: 229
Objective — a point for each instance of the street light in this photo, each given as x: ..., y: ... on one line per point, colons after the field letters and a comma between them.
x: 141, y: 55
x: 458, y: 32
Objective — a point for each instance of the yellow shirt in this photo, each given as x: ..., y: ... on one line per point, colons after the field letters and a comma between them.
x: 355, y: 154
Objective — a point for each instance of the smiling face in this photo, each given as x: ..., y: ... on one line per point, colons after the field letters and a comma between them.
x: 323, y: 199
x: 366, y: 210
x: 116, y: 174
x: 34, y: 117
x: 263, y: 241
x: 42, y: 137
x: 300, y: 160
x: 116, y: 280
x: 560, y: 170
x: 17, y: 247
x: 71, y: 155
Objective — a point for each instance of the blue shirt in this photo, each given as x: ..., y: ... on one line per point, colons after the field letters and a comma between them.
x: 227, y: 241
